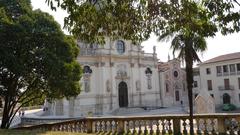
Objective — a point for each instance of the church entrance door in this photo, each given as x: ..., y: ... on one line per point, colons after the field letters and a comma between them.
x: 123, y: 94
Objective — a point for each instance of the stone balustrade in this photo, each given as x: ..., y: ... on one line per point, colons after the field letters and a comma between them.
x: 230, y: 87
x: 156, y: 124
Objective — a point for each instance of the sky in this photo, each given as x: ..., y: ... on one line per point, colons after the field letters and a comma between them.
x: 219, y: 45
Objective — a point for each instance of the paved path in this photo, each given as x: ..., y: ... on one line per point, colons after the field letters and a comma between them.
x: 28, y: 113
x: 37, y: 113
x: 170, y: 110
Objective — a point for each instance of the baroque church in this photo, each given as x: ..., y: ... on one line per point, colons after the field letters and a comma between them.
x: 119, y: 74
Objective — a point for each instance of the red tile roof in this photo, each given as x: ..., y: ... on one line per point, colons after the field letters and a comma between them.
x: 225, y: 57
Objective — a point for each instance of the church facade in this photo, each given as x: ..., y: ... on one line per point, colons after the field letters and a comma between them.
x: 119, y: 74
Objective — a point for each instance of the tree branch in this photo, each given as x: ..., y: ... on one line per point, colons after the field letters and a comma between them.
x: 21, y: 106
x: 237, y: 2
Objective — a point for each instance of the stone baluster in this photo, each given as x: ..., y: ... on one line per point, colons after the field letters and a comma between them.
x: 79, y: 124
x: 59, y: 128
x: 145, y: 127
x: 151, y: 127
x: 73, y: 127
x: 77, y: 127
x: 128, y: 127
x: 199, y: 132
x: 134, y: 127
x: 163, y: 127
x: 103, y: 126
x: 158, y: 129
x: 221, y: 125
x: 81, y: 128
x: 185, y: 132
x: 139, y: 127
x: 96, y: 127
x: 65, y: 127
x: 213, y: 126
x: 170, y: 131
x: 232, y: 126
x: 99, y: 126
x: 111, y: 126
x: 205, y: 127
x: 120, y: 127
x: 89, y: 126
x: 69, y: 127
x: 238, y: 123
x: 114, y: 127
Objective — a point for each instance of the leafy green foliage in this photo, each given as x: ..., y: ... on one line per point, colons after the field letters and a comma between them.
x: 92, y: 20
x: 229, y: 107
x: 36, y: 59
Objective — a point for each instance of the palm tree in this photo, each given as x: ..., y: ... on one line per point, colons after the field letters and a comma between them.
x: 188, y: 46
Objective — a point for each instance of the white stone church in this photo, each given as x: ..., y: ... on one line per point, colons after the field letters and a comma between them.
x: 120, y: 75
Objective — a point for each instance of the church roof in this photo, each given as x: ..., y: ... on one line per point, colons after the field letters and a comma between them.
x: 225, y: 57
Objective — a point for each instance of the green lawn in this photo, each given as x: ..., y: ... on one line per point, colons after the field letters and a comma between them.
x: 20, y: 132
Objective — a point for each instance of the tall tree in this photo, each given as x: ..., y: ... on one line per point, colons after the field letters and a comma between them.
x: 36, y: 59
x: 187, y: 48
x: 188, y: 23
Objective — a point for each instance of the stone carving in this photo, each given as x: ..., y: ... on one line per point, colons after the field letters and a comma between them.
x: 111, y: 64
x: 138, y: 85
x: 149, y: 81
x: 204, y: 103
x: 121, y: 72
x: 177, y: 86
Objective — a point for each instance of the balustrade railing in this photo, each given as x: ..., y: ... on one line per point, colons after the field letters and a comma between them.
x: 229, y: 87
x: 157, y: 125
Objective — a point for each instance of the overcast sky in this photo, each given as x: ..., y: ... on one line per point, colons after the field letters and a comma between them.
x: 218, y: 45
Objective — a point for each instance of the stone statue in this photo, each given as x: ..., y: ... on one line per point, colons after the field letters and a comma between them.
x: 138, y: 85
x: 154, y: 49
x: 108, y: 86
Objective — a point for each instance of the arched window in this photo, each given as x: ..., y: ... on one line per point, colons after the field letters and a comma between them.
x: 120, y: 47
x: 87, y: 69
x: 226, y: 98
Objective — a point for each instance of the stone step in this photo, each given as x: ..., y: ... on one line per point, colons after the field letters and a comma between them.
x: 127, y: 110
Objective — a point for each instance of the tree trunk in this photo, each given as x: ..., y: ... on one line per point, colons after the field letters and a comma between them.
x: 189, y: 75
x: 5, y: 117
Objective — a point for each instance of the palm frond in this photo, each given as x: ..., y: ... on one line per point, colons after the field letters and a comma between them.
x: 165, y: 37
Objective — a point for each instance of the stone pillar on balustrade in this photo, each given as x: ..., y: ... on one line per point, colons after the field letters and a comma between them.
x: 204, y: 103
